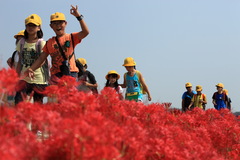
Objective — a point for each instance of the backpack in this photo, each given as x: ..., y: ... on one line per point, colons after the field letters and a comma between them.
x: 141, y: 87
x: 85, y: 77
x: 13, y: 59
x: 39, y: 47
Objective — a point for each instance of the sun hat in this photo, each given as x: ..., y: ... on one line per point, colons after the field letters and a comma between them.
x: 198, y: 88
x: 220, y: 85
x: 33, y: 18
x: 21, y: 33
x: 82, y: 61
x: 57, y: 17
x: 188, y: 84
x: 129, y: 61
x: 112, y: 72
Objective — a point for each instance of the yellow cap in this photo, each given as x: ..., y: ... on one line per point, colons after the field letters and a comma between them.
x: 220, y: 85
x: 198, y: 88
x: 188, y: 84
x: 129, y: 61
x: 21, y: 33
x: 225, y: 91
x: 112, y: 72
x: 57, y: 17
x: 82, y: 61
x: 33, y: 18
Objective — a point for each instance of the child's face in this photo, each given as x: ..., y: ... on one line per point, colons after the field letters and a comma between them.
x: 112, y: 79
x: 219, y: 89
x: 129, y: 68
x: 32, y: 28
x: 189, y: 89
x: 58, y: 27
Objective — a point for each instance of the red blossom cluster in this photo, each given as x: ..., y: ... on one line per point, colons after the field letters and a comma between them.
x: 82, y: 126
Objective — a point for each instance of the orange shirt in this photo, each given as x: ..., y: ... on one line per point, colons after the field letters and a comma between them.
x: 52, y: 48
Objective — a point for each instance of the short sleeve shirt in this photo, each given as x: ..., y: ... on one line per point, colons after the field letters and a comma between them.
x: 68, y: 46
x: 29, y: 55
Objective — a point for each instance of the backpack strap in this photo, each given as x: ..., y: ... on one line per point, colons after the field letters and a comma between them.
x: 72, y: 40
x: 21, y: 42
x: 39, y: 45
x: 203, y: 96
x: 13, y: 58
x: 224, y: 96
x: 73, y: 47
x: 215, y: 96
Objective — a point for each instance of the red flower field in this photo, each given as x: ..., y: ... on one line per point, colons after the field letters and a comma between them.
x: 83, y: 127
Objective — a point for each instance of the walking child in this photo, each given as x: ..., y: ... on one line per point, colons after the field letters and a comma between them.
x: 29, y: 49
x: 87, y: 80
x: 61, y: 47
x: 13, y: 60
x: 187, y: 96
x: 12, y: 63
x: 134, y: 82
x: 219, y: 98
x: 229, y: 101
x: 199, y: 99
x: 112, y: 78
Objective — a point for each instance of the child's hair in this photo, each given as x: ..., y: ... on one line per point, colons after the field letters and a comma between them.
x: 115, y: 84
x: 39, y: 34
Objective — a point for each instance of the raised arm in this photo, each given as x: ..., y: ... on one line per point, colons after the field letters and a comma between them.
x: 85, y: 31
x: 38, y: 63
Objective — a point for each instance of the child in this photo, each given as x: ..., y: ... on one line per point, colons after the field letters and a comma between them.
x: 229, y: 101
x: 29, y: 49
x: 13, y: 60
x: 61, y: 47
x: 187, y: 96
x: 199, y: 99
x: 219, y: 98
x: 85, y: 77
x: 134, y: 82
x: 12, y: 63
x: 112, y: 81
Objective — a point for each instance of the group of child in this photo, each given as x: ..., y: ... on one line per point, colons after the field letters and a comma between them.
x: 192, y: 99
x: 31, y: 61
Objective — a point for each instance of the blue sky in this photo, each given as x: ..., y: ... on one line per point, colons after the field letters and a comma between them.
x: 172, y: 41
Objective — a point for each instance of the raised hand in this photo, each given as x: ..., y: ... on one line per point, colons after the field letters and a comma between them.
x: 74, y: 11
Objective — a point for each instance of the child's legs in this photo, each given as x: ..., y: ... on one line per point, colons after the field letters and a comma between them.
x: 21, y: 89
x: 18, y: 98
x: 38, y: 97
x: 38, y: 92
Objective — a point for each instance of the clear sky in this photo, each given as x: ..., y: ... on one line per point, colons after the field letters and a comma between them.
x: 172, y: 41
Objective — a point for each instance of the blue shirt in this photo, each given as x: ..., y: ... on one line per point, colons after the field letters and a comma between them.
x: 133, y: 85
x: 220, y: 100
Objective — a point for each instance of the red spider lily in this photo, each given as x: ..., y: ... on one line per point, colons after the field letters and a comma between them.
x: 8, y: 80
x: 82, y: 126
